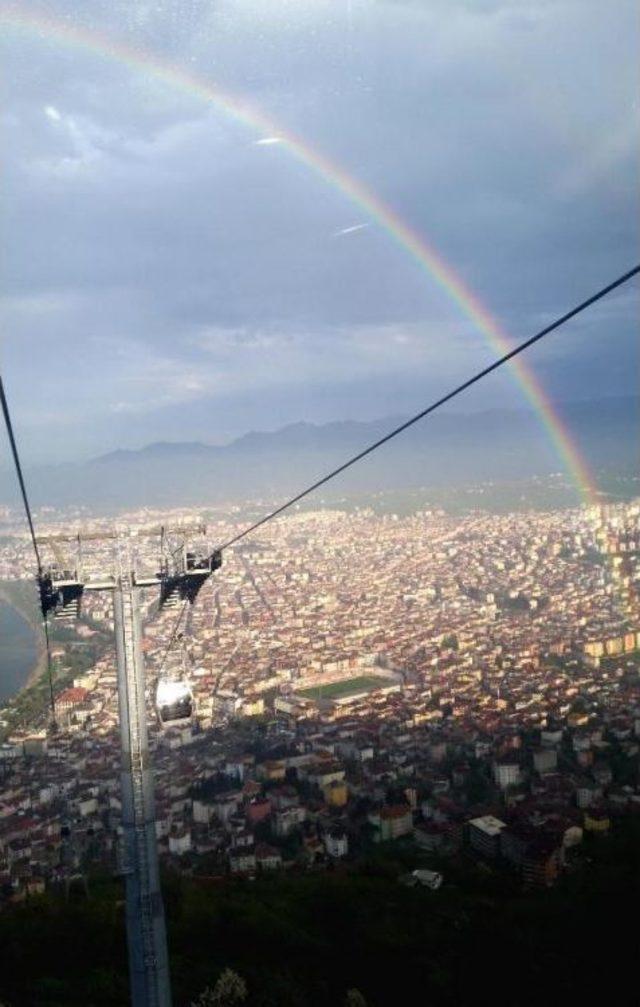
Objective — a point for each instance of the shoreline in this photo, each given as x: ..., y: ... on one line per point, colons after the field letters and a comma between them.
x: 38, y: 669
x: 39, y: 665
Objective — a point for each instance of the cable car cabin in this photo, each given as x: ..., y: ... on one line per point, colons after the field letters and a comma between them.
x: 68, y: 611
x: 61, y: 593
x: 170, y: 596
x: 197, y: 568
x: 174, y: 703
x: 185, y: 582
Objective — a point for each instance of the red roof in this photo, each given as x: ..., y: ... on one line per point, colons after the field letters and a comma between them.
x: 73, y: 696
x: 395, y: 811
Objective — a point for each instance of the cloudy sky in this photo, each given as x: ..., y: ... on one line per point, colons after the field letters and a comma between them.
x: 172, y: 272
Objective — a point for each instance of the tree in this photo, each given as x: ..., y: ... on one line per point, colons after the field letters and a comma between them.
x: 229, y: 990
x: 354, y: 998
x: 205, y: 999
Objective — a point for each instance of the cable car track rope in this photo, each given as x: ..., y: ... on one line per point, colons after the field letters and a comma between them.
x: 174, y: 634
x: 18, y: 468
x: 34, y: 541
x: 500, y: 362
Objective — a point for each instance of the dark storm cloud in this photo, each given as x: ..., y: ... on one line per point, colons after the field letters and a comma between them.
x: 163, y: 271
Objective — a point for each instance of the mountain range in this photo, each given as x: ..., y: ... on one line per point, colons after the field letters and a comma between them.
x: 447, y: 449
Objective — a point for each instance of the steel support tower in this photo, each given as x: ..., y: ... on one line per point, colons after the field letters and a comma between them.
x: 146, y: 933
x: 61, y: 592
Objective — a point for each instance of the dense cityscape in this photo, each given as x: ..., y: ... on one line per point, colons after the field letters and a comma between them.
x: 466, y: 687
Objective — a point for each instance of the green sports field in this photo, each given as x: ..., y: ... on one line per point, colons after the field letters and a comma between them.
x: 336, y: 690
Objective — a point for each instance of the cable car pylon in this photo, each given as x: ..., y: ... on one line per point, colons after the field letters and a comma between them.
x: 182, y: 574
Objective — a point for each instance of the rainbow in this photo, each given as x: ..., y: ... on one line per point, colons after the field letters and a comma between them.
x: 409, y: 241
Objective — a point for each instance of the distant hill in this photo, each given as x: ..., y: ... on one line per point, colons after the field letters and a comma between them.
x: 446, y: 449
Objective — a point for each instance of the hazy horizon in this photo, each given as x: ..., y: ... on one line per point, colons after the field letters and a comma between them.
x: 449, y: 449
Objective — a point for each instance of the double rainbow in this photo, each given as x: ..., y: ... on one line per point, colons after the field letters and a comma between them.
x: 423, y: 253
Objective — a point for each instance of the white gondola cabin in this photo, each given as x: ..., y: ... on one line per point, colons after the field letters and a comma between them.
x: 174, y: 702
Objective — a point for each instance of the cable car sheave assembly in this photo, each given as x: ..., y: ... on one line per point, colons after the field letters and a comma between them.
x: 182, y: 572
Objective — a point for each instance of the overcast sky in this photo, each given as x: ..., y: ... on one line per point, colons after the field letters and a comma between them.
x: 167, y: 276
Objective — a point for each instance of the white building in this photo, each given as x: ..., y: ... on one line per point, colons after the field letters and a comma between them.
x: 507, y: 774
x: 484, y: 834
x: 336, y: 843
x: 428, y: 879
x: 202, y: 812
x: 180, y: 842
x: 288, y: 820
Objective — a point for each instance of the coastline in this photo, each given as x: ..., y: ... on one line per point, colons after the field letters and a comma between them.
x: 13, y: 600
x: 38, y: 669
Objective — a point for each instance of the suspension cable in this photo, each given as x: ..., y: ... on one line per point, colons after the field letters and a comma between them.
x: 520, y: 348
x: 34, y: 541
x: 18, y: 468
x: 173, y: 636
x: 52, y: 702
